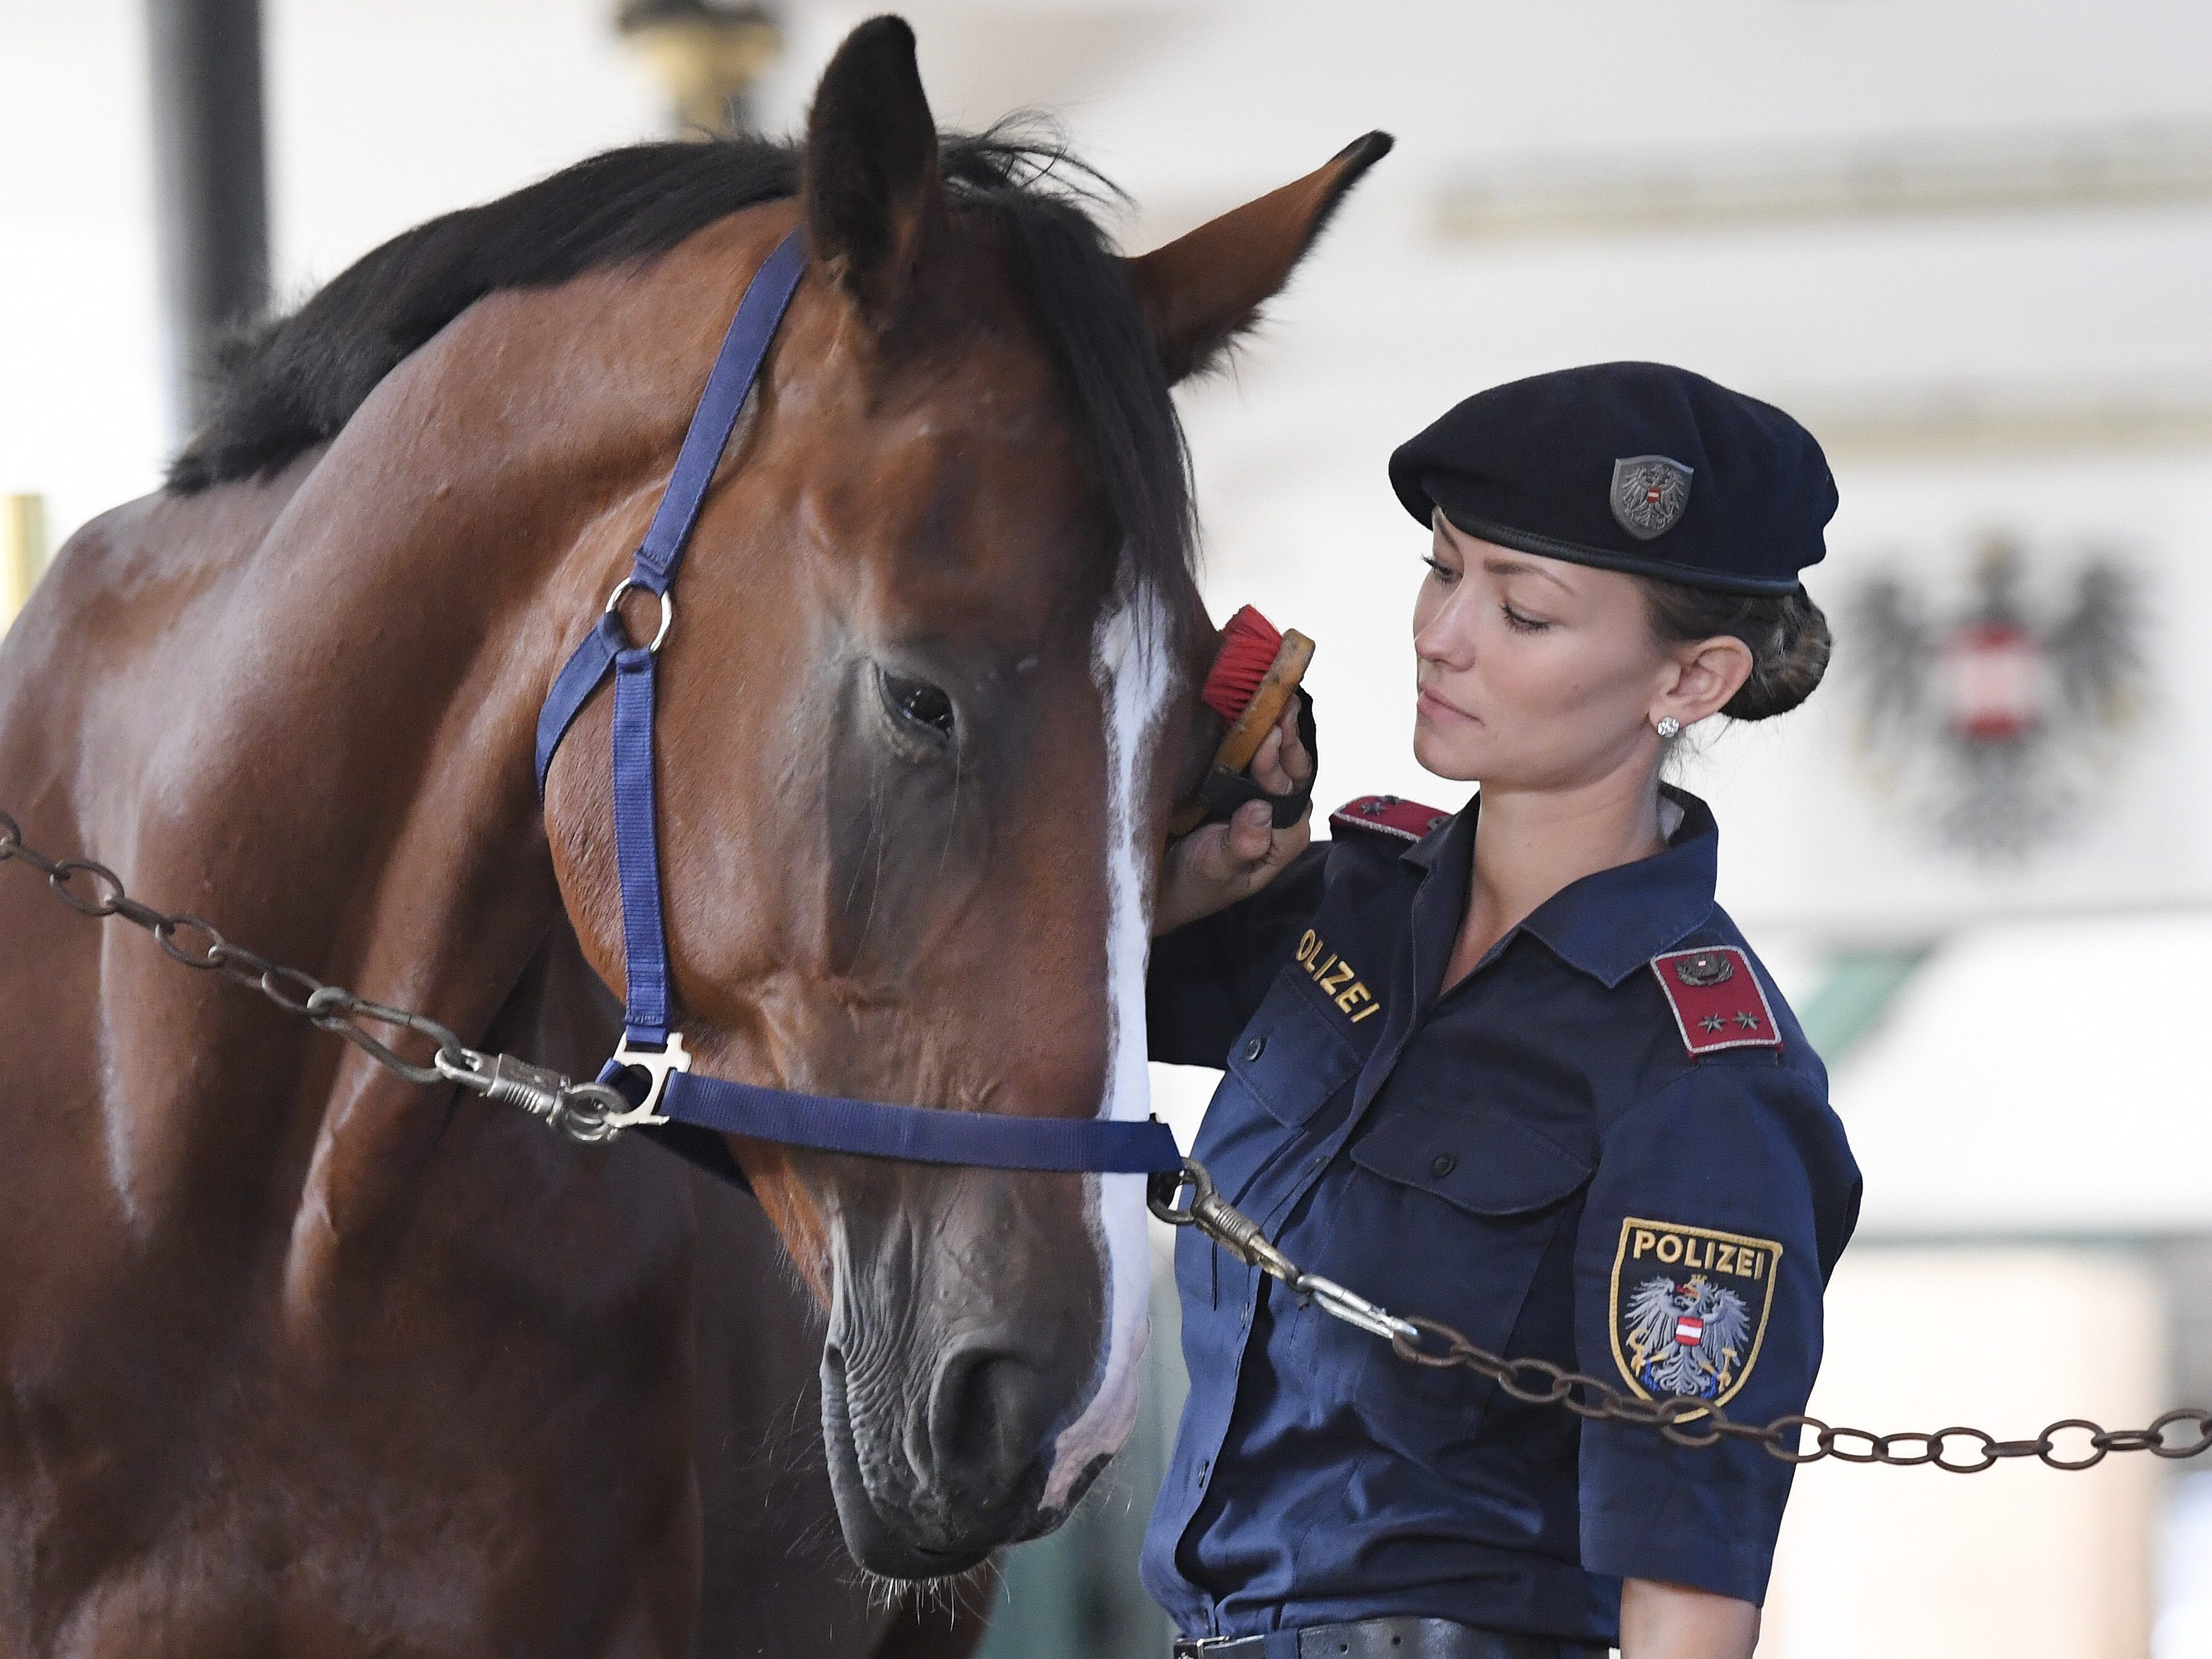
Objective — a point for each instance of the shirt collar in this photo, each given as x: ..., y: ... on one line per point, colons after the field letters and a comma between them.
x: 1610, y: 923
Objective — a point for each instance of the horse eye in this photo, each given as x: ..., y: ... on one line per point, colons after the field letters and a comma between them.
x: 919, y: 706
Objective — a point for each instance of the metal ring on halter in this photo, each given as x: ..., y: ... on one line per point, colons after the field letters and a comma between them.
x: 668, y: 608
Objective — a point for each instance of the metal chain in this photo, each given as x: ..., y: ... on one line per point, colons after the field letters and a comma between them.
x: 1683, y: 1420
x: 589, y: 1112
x: 592, y: 1112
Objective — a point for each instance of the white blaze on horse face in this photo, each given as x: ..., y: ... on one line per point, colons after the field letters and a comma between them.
x: 1131, y: 664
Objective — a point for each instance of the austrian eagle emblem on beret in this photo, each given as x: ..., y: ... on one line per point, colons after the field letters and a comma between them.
x: 1648, y: 495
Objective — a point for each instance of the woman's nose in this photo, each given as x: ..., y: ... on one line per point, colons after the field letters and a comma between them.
x: 1442, y: 640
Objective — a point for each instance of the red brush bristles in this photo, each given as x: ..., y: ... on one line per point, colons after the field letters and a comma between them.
x: 1249, y: 646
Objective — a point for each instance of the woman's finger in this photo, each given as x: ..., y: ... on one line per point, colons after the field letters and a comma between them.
x: 1283, y: 845
x: 1251, y: 833
x: 1296, y: 762
x: 1267, y: 768
x: 1226, y: 854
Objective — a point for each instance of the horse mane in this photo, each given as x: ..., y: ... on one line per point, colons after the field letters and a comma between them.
x: 291, y: 382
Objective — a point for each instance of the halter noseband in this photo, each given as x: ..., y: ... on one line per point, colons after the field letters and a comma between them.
x: 674, y: 1098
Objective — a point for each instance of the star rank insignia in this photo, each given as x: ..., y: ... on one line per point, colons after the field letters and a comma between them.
x: 1717, y: 1000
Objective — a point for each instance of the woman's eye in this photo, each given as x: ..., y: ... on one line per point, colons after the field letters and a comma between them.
x: 920, y: 707
x: 1520, y: 624
x: 1443, y: 572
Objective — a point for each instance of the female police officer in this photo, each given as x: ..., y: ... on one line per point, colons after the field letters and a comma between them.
x: 1515, y: 1070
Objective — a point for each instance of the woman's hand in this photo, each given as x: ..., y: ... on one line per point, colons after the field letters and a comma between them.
x: 1668, y: 1621
x: 1216, y: 863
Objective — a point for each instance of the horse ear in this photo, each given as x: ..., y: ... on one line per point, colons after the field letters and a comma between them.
x: 1202, y: 290
x: 873, y: 192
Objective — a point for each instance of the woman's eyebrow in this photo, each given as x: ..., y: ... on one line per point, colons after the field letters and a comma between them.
x: 1516, y: 568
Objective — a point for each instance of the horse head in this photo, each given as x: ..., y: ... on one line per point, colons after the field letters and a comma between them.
x: 930, y: 696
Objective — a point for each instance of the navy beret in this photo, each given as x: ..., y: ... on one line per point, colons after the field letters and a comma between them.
x: 1633, y: 466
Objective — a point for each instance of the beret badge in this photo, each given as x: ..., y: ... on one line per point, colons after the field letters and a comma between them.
x: 1648, y: 495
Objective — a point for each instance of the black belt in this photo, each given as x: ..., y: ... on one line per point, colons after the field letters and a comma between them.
x: 1393, y: 1638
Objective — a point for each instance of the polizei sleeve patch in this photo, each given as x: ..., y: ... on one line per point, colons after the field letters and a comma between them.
x: 1387, y: 815
x: 1690, y: 1308
x: 1717, y: 1000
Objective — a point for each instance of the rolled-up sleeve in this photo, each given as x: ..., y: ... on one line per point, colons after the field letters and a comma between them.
x: 1720, y: 1205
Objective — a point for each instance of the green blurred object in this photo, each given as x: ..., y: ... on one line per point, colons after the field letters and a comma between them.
x: 1850, y: 1003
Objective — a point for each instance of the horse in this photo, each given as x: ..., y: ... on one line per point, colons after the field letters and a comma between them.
x: 302, y: 1359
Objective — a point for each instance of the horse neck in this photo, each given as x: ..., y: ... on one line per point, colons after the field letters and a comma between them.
x: 399, y: 623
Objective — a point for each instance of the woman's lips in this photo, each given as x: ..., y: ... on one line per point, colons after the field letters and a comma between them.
x: 1436, y: 708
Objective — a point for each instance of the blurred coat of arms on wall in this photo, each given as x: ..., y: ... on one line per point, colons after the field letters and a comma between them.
x: 1994, y: 716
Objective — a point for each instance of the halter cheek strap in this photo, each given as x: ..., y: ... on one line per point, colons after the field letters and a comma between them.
x: 672, y: 1100
x: 653, y: 568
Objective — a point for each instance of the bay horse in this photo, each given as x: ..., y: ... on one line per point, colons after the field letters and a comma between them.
x: 300, y: 1360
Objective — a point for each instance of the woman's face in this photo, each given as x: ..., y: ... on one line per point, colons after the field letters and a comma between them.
x: 1533, y: 673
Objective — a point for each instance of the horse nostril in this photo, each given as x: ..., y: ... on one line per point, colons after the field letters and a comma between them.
x: 981, y: 1411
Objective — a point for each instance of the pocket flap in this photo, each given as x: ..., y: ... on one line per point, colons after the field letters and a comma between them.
x: 1290, y: 1057
x: 1484, y: 1162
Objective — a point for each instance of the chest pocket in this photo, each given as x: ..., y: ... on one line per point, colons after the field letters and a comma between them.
x: 1456, y: 1207
x: 1284, y: 1066
x: 1487, y: 1163
x: 1292, y: 1058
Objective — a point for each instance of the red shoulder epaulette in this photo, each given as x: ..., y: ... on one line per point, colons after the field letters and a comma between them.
x: 1717, y: 1000
x: 1387, y: 815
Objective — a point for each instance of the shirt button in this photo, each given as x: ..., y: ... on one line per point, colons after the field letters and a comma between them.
x: 1205, y: 1468
x: 1442, y: 1164
x: 1254, y: 1049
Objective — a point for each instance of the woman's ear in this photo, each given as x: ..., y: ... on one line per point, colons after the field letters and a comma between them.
x: 1706, y: 675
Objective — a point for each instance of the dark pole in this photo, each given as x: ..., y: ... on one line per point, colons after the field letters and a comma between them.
x: 211, y: 179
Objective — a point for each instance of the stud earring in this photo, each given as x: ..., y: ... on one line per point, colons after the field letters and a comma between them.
x: 1667, y: 725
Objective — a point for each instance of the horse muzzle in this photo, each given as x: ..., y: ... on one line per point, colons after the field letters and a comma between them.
x: 948, y: 1374
x: 928, y: 1482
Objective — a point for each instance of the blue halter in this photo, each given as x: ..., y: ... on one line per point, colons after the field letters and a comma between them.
x: 674, y: 1099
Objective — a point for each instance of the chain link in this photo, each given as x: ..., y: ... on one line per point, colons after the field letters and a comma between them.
x: 1683, y: 1420
x: 592, y: 1112
x: 589, y: 1112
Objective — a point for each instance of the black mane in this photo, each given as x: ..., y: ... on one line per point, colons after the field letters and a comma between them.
x: 294, y: 381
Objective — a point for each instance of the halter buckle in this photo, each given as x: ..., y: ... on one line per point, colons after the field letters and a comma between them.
x: 657, y: 1065
x: 667, y: 609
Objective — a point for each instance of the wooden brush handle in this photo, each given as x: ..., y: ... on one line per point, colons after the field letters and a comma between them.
x: 1266, y: 707
x: 1260, y: 715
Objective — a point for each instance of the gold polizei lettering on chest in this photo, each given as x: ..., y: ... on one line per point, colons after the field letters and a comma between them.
x: 1338, y: 979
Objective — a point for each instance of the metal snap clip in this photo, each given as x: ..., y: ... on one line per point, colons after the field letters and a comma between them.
x: 657, y: 1064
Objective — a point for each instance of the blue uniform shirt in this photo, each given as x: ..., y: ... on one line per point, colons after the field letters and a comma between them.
x: 1564, y: 1155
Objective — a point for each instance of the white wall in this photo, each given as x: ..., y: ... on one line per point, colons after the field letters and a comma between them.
x: 2020, y: 1561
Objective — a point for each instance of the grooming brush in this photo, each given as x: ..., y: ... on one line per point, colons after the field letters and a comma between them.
x: 1255, y: 674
